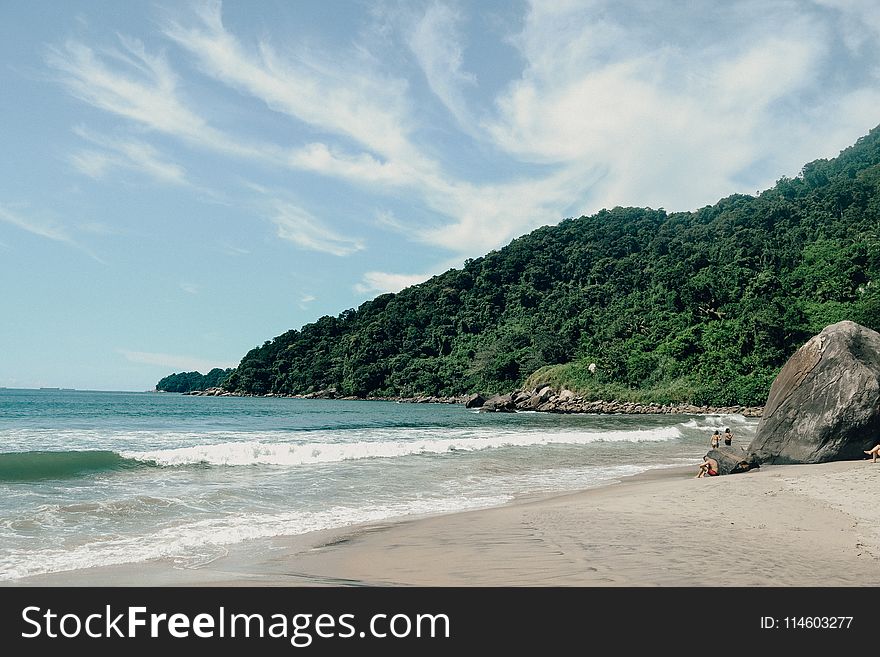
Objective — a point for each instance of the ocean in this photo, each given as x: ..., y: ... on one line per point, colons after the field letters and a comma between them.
x: 102, y: 478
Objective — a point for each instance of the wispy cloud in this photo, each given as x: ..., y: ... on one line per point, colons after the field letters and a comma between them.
x: 337, y: 93
x: 859, y: 21
x: 618, y: 84
x: 375, y: 282
x: 298, y: 226
x: 128, y: 154
x: 345, y: 97
x: 48, y: 229
x: 305, y: 299
x: 173, y: 362
x: 139, y: 86
x: 190, y: 288
x: 616, y: 103
x: 386, y: 219
x: 436, y: 43
x: 232, y: 249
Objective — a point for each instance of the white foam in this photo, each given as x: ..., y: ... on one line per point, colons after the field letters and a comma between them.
x: 261, y: 453
x: 190, y: 542
x: 720, y: 422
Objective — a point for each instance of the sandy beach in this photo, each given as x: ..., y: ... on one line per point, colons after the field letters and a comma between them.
x: 802, y: 525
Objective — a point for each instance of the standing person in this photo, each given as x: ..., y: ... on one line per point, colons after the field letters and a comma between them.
x: 728, y: 437
x: 716, y: 439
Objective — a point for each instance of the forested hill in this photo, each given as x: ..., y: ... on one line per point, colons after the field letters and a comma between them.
x: 698, y: 306
x: 188, y: 381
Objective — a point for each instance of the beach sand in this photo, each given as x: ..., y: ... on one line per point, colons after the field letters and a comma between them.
x: 796, y: 525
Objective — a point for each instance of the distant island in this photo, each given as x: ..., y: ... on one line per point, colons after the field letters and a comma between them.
x: 189, y: 381
x: 630, y: 304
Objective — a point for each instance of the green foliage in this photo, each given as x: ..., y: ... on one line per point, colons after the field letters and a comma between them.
x: 700, y: 307
x: 187, y: 381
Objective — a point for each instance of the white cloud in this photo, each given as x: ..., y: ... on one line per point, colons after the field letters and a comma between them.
x: 298, y: 226
x: 337, y: 93
x: 860, y: 21
x: 49, y: 230
x: 233, y: 250
x: 386, y: 219
x: 376, y: 282
x: 332, y: 92
x: 190, y: 288
x: 126, y: 153
x: 487, y: 216
x: 141, y: 87
x: 305, y: 299
x: 43, y: 228
x: 610, y: 84
x: 173, y: 362
x: 617, y: 104
x: 436, y: 43
x: 93, y: 164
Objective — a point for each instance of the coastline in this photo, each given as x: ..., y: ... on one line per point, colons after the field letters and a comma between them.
x: 792, y: 525
x: 565, y: 402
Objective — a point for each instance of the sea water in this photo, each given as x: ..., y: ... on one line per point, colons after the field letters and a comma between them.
x: 101, y: 478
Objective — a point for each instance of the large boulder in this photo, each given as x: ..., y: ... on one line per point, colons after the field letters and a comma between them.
x: 534, y: 399
x: 732, y: 460
x: 825, y: 403
x: 475, y: 401
x: 499, y: 404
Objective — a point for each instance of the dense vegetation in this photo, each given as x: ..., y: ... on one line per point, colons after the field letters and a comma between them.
x: 187, y: 381
x: 702, y: 306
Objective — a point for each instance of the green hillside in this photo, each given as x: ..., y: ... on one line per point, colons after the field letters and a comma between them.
x: 702, y: 307
x: 187, y: 381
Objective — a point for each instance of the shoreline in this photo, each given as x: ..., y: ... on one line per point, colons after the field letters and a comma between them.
x: 570, y: 404
x: 791, y: 525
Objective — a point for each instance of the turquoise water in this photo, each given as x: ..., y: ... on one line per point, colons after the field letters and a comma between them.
x: 99, y: 478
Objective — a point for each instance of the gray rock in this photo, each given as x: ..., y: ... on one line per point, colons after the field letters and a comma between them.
x: 545, y: 393
x: 825, y: 403
x: 475, y: 401
x: 499, y: 404
x: 732, y: 460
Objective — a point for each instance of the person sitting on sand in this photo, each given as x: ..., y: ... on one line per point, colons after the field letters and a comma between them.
x: 716, y: 439
x: 728, y: 437
x: 708, y: 467
x: 874, y: 451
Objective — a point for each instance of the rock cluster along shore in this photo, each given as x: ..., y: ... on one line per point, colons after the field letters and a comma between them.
x: 332, y: 394
x: 213, y: 392
x: 543, y: 399
x: 547, y: 400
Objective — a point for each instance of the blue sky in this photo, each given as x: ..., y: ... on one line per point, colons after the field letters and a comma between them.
x: 182, y: 181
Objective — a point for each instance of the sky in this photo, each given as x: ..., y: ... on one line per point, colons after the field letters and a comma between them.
x: 181, y: 181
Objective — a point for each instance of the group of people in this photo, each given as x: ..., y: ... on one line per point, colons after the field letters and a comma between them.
x: 716, y: 438
x: 709, y: 466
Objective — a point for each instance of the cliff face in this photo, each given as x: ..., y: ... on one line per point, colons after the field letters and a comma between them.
x: 825, y: 403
